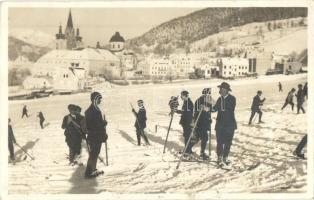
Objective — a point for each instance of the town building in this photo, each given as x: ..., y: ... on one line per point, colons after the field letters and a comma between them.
x: 159, y: 67
x: 259, y: 62
x: 233, y: 67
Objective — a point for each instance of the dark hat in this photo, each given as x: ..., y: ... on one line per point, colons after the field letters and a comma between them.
x: 95, y: 95
x: 71, y: 107
x: 77, y: 109
x: 300, y: 85
x: 225, y: 85
x: 207, y: 91
x: 293, y: 89
x: 259, y: 92
x: 140, y: 101
x: 184, y: 93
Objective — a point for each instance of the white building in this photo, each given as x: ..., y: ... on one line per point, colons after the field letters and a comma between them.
x: 233, y: 67
x: 116, y: 42
x: 159, y: 67
x: 94, y: 61
x: 69, y: 80
x: 182, y: 64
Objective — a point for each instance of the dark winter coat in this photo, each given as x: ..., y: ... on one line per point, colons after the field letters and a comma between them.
x: 289, y: 97
x: 204, y: 120
x: 257, y: 102
x: 305, y: 90
x: 95, y: 124
x: 72, y: 132
x: 186, y: 113
x: 225, y: 117
x: 300, y: 96
x: 41, y: 116
x: 140, y: 121
x: 11, y: 137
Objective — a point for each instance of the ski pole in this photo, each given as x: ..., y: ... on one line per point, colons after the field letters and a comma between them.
x: 209, y: 143
x: 188, y: 142
x: 25, y: 151
x: 139, y: 126
x: 168, y: 132
x: 106, y: 153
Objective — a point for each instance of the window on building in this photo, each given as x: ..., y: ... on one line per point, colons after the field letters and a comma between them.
x: 224, y: 73
x: 113, y: 46
x: 229, y: 73
x: 67, y: 76
x: 63, y: 75
x: 118, y: 45
x: 77, y: 64
x: 72, y: 64
x: 225, y: 67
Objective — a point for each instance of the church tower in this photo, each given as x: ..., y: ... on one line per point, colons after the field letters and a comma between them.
x: 60, y: 39
x: 70, y: 34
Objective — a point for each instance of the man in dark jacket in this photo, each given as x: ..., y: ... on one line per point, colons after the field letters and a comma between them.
x: 280, y: 87
x: 203, y: 104
x: 140, y: 122
x: 300, y: 99
x: 11, y: 141
x: 289, y: 99
x: 96, y: 134
x: 186, y: 119
x: 305, y: 90
x: 225, y: 123
x: 41, y: 119
x: 73, y: 134
x: 24, y: 112
x: 257, y: 102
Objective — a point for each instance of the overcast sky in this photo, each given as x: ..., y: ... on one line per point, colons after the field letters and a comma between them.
x: 96, y: 24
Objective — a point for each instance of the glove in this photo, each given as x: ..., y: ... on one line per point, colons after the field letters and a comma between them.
x: 105, y: 137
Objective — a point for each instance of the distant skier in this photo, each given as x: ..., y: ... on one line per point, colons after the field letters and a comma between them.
x: 225, y: 123
x: 300, y: 99
x: 203, y: 125
x: 257, y: 102
x: 96, y: 134
x: 289, y: 99
x: 305, y: 90
x: 73, y: 134
x: 298, y: 151
x: 25, y: 111
x: 11, y: 141
x: 41, y: 119
x: 280, y: 87
x: 186, y: 119
x: 140, y: 122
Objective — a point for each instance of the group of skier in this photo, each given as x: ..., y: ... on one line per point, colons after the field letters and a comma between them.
x: 195, y: 121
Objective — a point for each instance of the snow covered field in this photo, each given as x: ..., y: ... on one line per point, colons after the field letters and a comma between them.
x: 146, y: 169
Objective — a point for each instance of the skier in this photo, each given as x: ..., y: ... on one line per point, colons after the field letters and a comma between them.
x: 225, y: 123
x: 41, y: 119
x: 305, y: 90
x: 257, y: 102
x: 11, y: 141
x: 300, y: 99
x: 96, y: 134
x: 140, y: 122
x: 280, y: 87
x: 73, y: 134
x: 289, y: 99
x: 24, y: 111
x: 298, y: 151
x: 186, y: 119
x: 204, y: 122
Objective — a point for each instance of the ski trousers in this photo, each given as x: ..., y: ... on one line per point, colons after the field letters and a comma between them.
x: 203, y: 135
x: 259, y: 112
x: 224, y: 136
x: 11, y: 149
x: 94, y: 150
x: 186, y: 134
x: 301, y: 145
x: 286, y: 103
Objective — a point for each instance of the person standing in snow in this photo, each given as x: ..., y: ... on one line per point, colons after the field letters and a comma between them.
x: 298, y: 151
x: 225, y: 123
x: 186, y: 113
x: 140, y: 122
x: 289, y: 99
x: 300, y: 99
x: 305, y: 90
x: 24, y: 112
x: 96, y: 134
x: 203, y: 104
x: 41, y: 119
x: 73, y: 134
x: 11, y: 141
x: 280, y: 87
x: 257, y: 102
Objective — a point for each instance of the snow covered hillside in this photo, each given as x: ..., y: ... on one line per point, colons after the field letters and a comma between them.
x: 264, y: 148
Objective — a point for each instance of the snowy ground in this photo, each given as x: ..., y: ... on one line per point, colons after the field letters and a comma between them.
x: 134, y: 169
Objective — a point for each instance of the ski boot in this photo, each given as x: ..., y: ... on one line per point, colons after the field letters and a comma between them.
x: 94, y: 174
x: 299, y: 155
x: 226, y: 161
x: 219, y: 162
x: 204, y: 156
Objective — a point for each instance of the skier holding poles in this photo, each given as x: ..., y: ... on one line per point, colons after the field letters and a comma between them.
x: 173, y: 103
x: 257, y: 103
x: 140, y: 122
x: 225, y: 123
x: 96, y: 134
x: 186, y: 120
x: 73, y: 134
x: 203, y: 125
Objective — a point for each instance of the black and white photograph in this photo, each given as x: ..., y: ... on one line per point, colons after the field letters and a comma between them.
x: 203, y: 101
